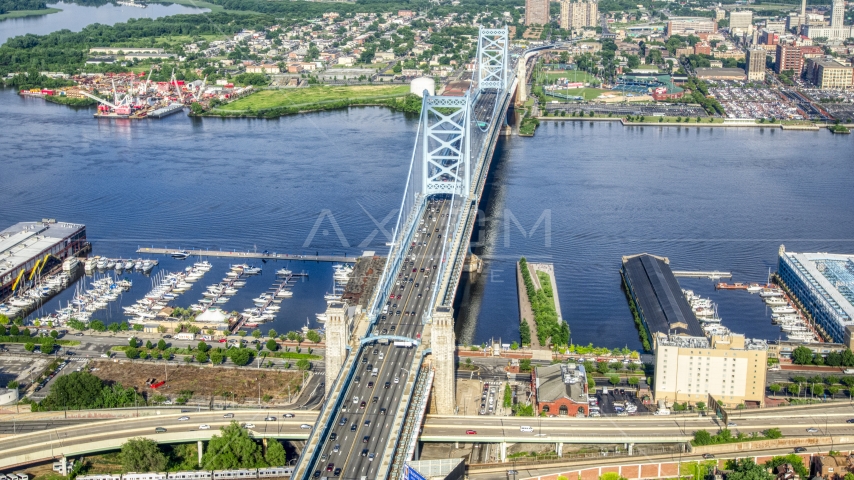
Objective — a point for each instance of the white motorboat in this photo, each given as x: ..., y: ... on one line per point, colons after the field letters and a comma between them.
x: 284, y: 272
x: 785, y: 309
x: 754, y: 288
x: 321, y: 317
x: 285, y: 294
x: 770, y: 292
x: 129, y: 265
x: 775, y: 301
x: 252, y: 270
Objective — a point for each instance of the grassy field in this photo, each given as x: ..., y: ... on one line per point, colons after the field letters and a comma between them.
x: 313, y: 95
x: 587, y: 93
x: 202, y: 4
x: 184, y: 39
x: 372, y: 66
x: 28, y: 13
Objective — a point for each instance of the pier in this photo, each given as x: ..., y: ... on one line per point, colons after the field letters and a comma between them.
x: 714, y: 274
x: 261, y: 256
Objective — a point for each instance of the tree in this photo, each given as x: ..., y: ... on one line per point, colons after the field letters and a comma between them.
x: 30, y: 346
x: 633, y: 381
x: 312, y: 336
x: 149, y: 345
x: 201, y: 356
x: 701, y: 405
x: 216, y: 356
x: 614, y: 379
x: 240, y: 356
x: 303, y: 364
x: 508, y: 396
x: 54, y: 334
x: 132, y: 343
x: 203, y: 347
x: 132, y: 353
x: 142, y: 455
x: 611, y: 476
x: 795, y: 460
x: 773, y: 433
x: 802, y: 356
x: 161, y: 345
x: 256, y: 333
x: 775, y: 388
x: 276, y: 455
x: 272, y: 334
x: 745, y: 469
x: 525, y: 333
x: 794, y: 388
x: 233, y: 448
x: 272, y: 345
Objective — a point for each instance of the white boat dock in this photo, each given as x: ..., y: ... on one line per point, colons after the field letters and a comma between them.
x: 258, y: 255
x: 714, y: 274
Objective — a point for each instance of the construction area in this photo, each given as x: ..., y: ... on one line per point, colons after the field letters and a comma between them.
x: 203, y: 383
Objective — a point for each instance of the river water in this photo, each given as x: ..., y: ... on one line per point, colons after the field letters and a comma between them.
x: 708, y: 199
x: 74, y: 17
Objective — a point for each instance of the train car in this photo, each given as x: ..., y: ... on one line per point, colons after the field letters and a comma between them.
x: 99, y: 477
x: 190, y: 475
x: 275, y: 472
x: 235, y: 474
x: 144, y: 476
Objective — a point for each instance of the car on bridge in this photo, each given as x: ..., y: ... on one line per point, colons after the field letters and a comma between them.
x: 305, y: 426
x: 471, y: 432
x: 183, y: 419
x: 204, y: 427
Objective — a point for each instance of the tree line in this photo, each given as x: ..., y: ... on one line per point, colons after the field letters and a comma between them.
x: 7, y: 6
x: 544, y: 310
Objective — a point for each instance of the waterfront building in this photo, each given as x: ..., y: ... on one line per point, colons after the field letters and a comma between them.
x: 756, y: 64
x: 25, y: 244
x: 741, y: 21
x: 829, y: 73
x: 560, y: 389
x: 536, y: 12
x: 729, y: 368
x: 657, y: 297
x: 788, y: 58
x: 575, y: 15
x: 823, y: 283
x: 691, y: 25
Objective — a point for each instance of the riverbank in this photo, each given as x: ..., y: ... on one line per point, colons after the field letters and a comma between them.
x: 718, y: 124
x: 28, y: 13
x: 277, y: 103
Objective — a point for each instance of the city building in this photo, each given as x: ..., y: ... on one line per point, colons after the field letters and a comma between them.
x: 788, y: 58
x: 440, y: 469
x: 657, y: 297
x: 836, y: 30
x: 833, y: 466
x: 691, y: 25
x: 536, y: 12
x: 578, y: 14
x: 778, y: 26
x: 829, y: 74
x: 756, y: 64
x: 729, y: 368
x: 782, y: 349
x: 741, y: 21
x: 26, y: 244
x: 721, y: 74
x: 702, y: 48
x: 560, y: 389
x: 823, y: 284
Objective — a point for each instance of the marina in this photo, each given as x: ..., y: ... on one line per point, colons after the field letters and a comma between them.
x: 257, y: 255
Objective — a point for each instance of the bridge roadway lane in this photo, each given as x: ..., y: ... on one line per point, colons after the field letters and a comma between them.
x: 360, y: 431
x: 439, y: 428
x: 121, y: 429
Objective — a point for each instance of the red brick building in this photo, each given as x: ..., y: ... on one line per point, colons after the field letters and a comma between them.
x: 560, y: 390
x: 702, y: 48
x: 789, y: 57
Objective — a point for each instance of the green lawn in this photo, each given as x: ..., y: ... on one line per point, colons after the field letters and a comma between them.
x: 313, y: 95
x: 587, y: 93
x: 202, y: 4
x: 28, y: 13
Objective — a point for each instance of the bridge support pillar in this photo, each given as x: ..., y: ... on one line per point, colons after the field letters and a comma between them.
x: 64, y: 461
x: 631, y: 447
x: 559, y: 449
x: 503, y: 452
x: 444, y: 346
x: 201, y: 449
x: 337, y: 336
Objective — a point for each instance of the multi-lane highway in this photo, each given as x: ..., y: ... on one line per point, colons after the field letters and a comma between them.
x: 82, y: 438
x: 356, y: 443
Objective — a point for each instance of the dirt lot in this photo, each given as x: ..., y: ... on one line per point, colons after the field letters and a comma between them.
x: 204, y: 382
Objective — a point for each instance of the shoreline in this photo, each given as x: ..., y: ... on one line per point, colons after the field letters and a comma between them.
x: 28, y: 13
x: 811, y: 128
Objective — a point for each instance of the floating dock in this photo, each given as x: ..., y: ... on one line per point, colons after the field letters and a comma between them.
x: 167, y: 110
x: 714, y: 274
x: 261, y: 256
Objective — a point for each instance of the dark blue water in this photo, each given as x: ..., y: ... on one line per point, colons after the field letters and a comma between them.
x: 707, y: 199
x: 75, y: 17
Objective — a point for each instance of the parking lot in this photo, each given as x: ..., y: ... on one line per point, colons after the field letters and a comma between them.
x: 617, y: 402
x: 740, y: 101
x: 65, y: 367
x: 22, y: 369
x: 671, y: 110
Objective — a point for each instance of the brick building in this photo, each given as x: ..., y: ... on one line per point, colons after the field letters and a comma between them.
x: 560, y: 390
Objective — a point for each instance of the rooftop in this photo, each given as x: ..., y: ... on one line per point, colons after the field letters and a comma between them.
x: 831, y: 276
x: 658, y: 296
x: 561, y: 381
x: 25, y: 240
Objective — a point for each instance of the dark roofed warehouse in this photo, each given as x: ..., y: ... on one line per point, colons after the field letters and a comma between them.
x: 658, y: 297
